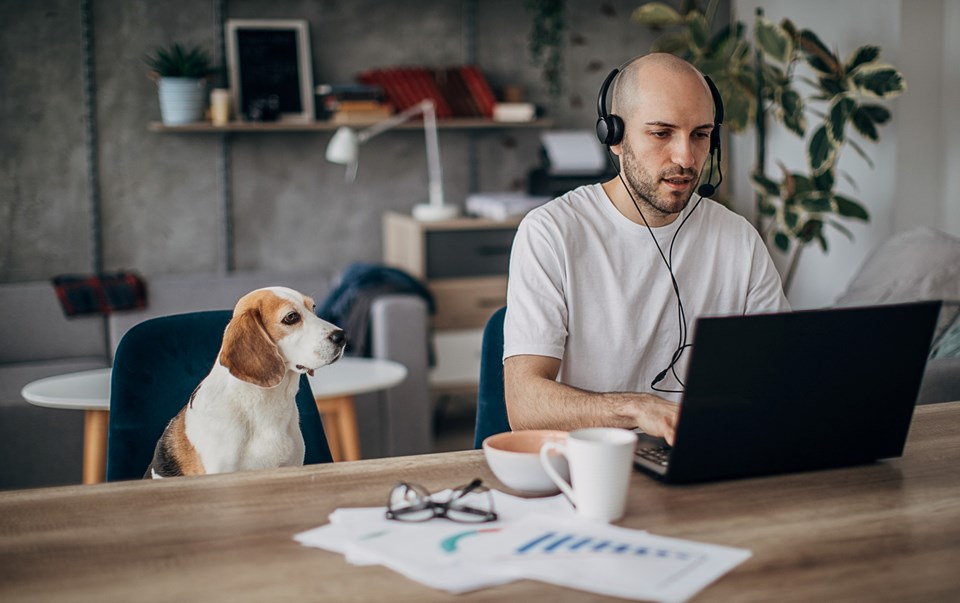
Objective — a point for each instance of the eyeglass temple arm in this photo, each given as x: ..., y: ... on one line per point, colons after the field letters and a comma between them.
x: 476, y: 483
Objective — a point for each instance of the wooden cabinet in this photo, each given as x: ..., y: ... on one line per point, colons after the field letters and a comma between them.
x: 463, y: 262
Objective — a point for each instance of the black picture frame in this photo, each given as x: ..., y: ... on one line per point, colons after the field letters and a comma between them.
x: 271, y: 69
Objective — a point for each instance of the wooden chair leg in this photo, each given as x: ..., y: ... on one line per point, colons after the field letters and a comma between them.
x: 95, y: 425
x: 349, y: 433
x: 332, y: 431
x: 340, y: 427
x: 341, y: 430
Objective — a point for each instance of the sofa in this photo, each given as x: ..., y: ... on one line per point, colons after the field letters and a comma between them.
x: 43, y: 446
x: 918, y: 265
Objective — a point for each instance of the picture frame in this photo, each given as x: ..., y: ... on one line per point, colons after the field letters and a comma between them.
x: 271, y: 70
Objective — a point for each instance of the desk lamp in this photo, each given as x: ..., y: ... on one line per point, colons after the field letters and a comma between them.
x: 343, y: 149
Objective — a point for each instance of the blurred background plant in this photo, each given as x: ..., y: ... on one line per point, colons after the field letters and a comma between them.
x: 759, y: 77
x: 546, y: 40
x: 178, y: 61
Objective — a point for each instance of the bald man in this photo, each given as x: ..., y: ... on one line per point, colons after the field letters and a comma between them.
x: 592, y: 314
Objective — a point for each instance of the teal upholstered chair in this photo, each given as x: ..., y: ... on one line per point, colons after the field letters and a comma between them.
x: 157, y: 365
x: 491, y: 406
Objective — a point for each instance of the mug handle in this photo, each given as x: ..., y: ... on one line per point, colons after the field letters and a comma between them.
x: 561, y: 483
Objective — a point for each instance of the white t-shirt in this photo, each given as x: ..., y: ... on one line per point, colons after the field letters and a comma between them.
x: 589, y: 287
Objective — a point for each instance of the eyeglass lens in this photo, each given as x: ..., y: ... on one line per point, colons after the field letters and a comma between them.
x: 410, y: 502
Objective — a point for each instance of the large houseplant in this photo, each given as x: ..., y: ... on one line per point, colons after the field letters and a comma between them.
x: 181, y: 76
x: 759, y: 78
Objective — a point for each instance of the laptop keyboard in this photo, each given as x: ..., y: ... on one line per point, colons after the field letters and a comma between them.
x: 655, y: 454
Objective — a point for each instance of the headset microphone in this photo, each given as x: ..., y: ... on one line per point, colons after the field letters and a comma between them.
x: 707, y: 189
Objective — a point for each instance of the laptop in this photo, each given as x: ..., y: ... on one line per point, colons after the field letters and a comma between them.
x: 800, y: 391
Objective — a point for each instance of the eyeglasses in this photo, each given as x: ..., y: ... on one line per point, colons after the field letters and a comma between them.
x: 411, y: 502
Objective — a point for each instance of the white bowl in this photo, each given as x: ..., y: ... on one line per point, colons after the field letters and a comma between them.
x: 514, y: 457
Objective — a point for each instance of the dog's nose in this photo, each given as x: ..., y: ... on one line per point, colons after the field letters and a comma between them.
x: 337, y: 337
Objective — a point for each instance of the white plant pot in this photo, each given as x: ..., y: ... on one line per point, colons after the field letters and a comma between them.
x: 182, y: 99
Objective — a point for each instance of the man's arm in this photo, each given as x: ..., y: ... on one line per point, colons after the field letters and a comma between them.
x: 536, y: 401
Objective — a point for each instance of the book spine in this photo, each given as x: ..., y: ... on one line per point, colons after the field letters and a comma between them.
x: 378, y: 77
x: 404, y: 80
x: 429, y: 89
x: 480, y: 89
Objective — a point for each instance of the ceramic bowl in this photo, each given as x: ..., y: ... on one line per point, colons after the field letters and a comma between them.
x: 514, y: 457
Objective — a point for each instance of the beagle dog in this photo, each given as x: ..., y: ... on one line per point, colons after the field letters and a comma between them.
x: 244, y: 414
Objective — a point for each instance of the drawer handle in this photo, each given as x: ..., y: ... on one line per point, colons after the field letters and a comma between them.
x: 493, y: 250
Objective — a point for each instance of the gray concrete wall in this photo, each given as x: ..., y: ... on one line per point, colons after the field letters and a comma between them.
x: 160, y: 193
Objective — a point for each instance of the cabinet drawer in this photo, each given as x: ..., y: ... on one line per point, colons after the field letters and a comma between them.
x: 467, y: 303
x: 461, y: 253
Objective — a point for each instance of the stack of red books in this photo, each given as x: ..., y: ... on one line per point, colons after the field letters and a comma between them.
x: 455, y: 91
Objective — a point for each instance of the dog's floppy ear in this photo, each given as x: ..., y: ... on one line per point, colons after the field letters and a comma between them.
x: 249, y: 353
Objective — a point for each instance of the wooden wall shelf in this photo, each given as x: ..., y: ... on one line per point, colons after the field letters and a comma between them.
x: 322, y: 126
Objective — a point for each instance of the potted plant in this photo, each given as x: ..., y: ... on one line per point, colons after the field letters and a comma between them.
x: 181, y: 76
x: 761, y: 79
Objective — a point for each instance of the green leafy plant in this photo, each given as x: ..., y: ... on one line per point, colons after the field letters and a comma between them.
x: 546, y: 40
x: 759, y: 78
x: 177, y: 61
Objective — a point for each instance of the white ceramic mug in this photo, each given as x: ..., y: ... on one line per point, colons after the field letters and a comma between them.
x: 601, y: 461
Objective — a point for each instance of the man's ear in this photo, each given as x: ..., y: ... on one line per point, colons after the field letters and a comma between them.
x: 249, y: 353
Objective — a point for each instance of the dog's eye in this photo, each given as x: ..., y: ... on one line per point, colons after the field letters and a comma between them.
x: 291, y: 319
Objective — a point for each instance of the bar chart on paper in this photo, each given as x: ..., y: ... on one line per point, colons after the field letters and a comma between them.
x: 554, y: 543
x: 601, y: 558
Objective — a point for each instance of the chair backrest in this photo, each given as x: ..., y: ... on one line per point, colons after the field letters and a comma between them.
x: 158, y: 364
x: 491, y: 406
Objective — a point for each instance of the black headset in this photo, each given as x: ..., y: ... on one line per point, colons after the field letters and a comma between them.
x: 610, y: 129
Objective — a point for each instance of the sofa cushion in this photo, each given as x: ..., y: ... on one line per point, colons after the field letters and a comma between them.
x: 40, y: 447
x: 948, y: 344
x: 941, y: 381
x: 14, y: 376
x: 914, y: 265
x: 180, y: 293
x: 33, y: 326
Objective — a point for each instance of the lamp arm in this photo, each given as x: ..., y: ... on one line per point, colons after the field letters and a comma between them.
x: 394, y: 121
x: 434, y: 169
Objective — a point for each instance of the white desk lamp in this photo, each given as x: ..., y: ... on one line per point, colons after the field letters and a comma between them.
x: 343, y: 149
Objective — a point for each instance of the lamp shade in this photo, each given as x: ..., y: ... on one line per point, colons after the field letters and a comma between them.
x: 343, y: 147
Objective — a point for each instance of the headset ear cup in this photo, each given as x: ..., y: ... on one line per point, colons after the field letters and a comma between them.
x: 715, y: 139
x: 616, y: 130
x: 610, y: 130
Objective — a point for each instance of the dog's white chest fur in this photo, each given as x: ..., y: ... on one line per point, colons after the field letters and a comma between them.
x: 235, y: 426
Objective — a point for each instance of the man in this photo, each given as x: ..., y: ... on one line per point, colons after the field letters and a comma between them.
x: 593, y: 313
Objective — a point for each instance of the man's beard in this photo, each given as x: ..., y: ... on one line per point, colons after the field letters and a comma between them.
x: 643, y: 186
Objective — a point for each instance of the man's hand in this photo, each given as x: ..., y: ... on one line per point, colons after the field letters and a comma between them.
x: 535, y: 400
x: 657, y: 417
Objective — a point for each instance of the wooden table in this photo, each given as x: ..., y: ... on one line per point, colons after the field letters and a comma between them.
x: 333, y: 386
x: 883, y: 532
